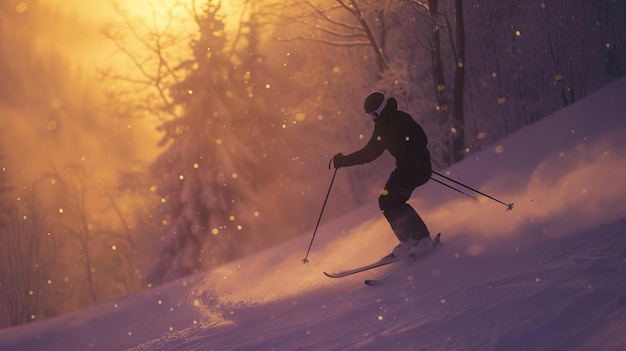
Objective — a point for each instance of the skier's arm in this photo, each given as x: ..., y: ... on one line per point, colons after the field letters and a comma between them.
x: 368, y: 153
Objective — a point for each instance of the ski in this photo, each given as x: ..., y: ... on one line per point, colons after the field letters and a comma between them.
x: 382, y: 262
x: 408, y: 261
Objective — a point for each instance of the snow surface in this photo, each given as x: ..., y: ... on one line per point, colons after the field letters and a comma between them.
x: 549, y: 275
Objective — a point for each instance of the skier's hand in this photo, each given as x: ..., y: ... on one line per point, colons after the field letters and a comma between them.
x: 338, y: 161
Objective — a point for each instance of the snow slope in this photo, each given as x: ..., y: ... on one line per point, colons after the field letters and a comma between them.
x: 549, y: 275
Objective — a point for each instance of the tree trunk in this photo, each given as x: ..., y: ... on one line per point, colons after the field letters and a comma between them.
x: 458, y: 122
x: 438, y: 76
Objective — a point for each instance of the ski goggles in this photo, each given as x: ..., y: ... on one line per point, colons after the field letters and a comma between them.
x: 379, y: 110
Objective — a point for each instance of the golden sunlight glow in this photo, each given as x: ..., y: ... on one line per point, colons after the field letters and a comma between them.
x: 159, y: 12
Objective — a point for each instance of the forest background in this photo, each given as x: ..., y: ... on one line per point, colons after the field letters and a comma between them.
x: 142, y: 141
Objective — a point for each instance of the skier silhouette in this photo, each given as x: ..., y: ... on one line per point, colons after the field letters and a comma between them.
x: 397, y: 132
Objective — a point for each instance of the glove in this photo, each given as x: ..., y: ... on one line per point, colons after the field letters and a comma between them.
x: 338, y: 160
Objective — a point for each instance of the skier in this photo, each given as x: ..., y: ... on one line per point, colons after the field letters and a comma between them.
x: 397, y: 132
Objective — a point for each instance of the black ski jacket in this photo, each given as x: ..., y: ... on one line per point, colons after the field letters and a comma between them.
x: 396, y: 132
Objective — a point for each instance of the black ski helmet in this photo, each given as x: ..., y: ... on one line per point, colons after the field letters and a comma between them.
x: 375, y: 103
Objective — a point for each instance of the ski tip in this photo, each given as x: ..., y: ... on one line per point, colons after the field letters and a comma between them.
x: 437, y: 238
x: 330, y: 275
x: 372, y: 282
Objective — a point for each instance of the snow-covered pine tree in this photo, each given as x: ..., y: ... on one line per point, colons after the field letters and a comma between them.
x: 212, y: 162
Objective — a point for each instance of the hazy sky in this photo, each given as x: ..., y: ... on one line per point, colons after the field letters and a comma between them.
x: 93, y: 14
x: 108, y: 141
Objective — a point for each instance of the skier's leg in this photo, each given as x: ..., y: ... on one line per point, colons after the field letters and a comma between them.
x: 404, y: 221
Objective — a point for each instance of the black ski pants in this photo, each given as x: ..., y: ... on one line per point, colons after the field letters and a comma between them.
x: 404, y: 221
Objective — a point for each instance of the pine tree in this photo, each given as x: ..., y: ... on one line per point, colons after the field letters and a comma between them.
x: 206, y: 170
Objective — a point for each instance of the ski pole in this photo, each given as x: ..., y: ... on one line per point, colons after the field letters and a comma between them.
x: 455, y: 189
x: 509, y: 206
x: 305, y: 259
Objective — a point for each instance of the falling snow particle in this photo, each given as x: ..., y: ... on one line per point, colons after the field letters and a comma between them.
x: 52, y: 125
x: 21, y: 7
